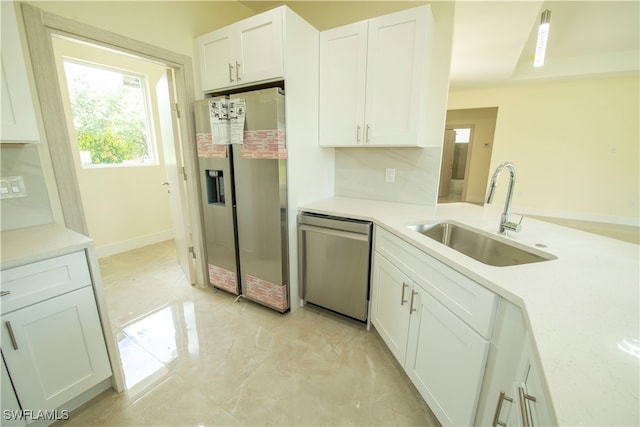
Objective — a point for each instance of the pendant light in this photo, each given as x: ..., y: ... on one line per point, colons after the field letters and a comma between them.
x: 543, y: 35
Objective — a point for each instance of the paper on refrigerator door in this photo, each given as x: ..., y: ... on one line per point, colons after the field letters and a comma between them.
x: 237, y: 112
x: 219, y: 119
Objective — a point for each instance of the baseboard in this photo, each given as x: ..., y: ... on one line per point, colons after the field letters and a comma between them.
x: 135, y: 243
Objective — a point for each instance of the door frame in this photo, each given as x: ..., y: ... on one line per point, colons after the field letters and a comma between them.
x: 40, y: 26
x: 467, y: 164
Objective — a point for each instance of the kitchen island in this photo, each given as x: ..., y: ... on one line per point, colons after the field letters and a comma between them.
x: 582, y: 309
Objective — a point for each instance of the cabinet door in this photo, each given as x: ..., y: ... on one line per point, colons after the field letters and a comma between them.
x: 343, y: 57
x: 396, y: 73
x: 258, y: 49
x: 215, y: 51
x: 496, y: 401
x: 390, y: 311
x: 55, y: 349
x: 445, y: 360
x: 18, y: 115
x: 531, y: 384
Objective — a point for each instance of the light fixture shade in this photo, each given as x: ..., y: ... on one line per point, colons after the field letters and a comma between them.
x: 543, y: 35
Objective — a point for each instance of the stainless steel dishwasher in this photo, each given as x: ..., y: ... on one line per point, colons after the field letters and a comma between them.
x: 334, y: 258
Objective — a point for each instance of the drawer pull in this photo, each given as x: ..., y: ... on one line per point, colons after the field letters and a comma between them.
x: 496, y: 416
x: 524, y: 408
x: 3, y: 293
x: 402, y: 300
x: 14, y: 343
x: 411, y: 309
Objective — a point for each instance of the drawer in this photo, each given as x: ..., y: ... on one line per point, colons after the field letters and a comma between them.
x: 471, y: 302
x: 38, y: 281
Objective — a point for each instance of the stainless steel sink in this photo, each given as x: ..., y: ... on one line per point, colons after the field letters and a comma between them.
x: 479, y: 245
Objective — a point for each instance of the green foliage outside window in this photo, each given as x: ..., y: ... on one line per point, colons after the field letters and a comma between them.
x: 108, y: 113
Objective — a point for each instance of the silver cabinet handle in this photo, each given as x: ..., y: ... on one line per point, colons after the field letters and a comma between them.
x: 3, y: 293
x: 14, y: 343
x: 366, y: 136
x: 358, y: 133
x: 524, y: 408
x: 237, y: 71
x: 230, y: 73
x: 496, y: 416
x: 402, y: 300
x: 411, y: 309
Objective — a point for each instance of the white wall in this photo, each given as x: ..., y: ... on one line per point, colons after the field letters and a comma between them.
x: 575, y: 146
x: 125, y: 206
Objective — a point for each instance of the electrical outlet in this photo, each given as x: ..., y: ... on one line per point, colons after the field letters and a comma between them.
x: 390, y: 175
x: 12, y: 187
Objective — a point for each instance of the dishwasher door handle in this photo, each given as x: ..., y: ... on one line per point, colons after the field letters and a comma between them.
x: 333, y: 232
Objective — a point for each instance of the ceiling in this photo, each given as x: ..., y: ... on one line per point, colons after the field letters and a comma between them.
x: 494, y: 41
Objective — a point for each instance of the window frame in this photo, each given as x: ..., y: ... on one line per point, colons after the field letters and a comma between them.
x: 149, y: 122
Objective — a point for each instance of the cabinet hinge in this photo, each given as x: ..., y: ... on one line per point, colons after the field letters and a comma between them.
x: 177, y: 110
x: 183, y: 172
x: 192, y: 252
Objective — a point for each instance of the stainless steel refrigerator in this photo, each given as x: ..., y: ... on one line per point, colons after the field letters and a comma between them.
x: 244, y: 194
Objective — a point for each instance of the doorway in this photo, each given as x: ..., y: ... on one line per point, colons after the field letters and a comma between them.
x: 466, y: 156
x: 42, y: 29
x: 124, y: 148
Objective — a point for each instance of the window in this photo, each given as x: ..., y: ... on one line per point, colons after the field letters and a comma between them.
x: 463, y: 135
x: 110, y: 115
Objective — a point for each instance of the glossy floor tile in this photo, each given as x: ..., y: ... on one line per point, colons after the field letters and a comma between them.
x: 194, y: 357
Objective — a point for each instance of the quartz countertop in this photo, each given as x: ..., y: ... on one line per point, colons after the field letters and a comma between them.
x: 579, y: 307
x: 31, y: 244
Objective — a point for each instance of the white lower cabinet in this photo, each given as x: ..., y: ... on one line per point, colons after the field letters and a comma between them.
x: 390, y: 313
x: 445, y: 360
x: 514, y: 392
x: 533, y: 402
x: 443, y: 355
x: 54, y: 350
x: 53, y: 346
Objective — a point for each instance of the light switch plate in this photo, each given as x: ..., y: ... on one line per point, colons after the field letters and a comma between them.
x: 12, y: 187
x: 390, y: 175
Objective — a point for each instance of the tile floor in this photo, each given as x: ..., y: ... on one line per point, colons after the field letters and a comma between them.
x: 193, y: 357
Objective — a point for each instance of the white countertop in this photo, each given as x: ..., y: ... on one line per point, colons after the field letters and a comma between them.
x: 31, y: 244
x: 579, y: 306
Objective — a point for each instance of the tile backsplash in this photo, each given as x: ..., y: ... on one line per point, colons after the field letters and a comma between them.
x: 360, y: 173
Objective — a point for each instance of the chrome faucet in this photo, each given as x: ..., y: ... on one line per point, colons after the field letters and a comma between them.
x: 505, y: 220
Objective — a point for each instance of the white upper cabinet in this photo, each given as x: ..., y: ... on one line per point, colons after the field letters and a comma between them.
x: 18, y: 115
x: 373, y: 81
x: 343, y: 73
x: 249, y: 51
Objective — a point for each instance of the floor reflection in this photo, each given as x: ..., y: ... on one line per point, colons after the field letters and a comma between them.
x: 194, y: 357
x: 150, y: 343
